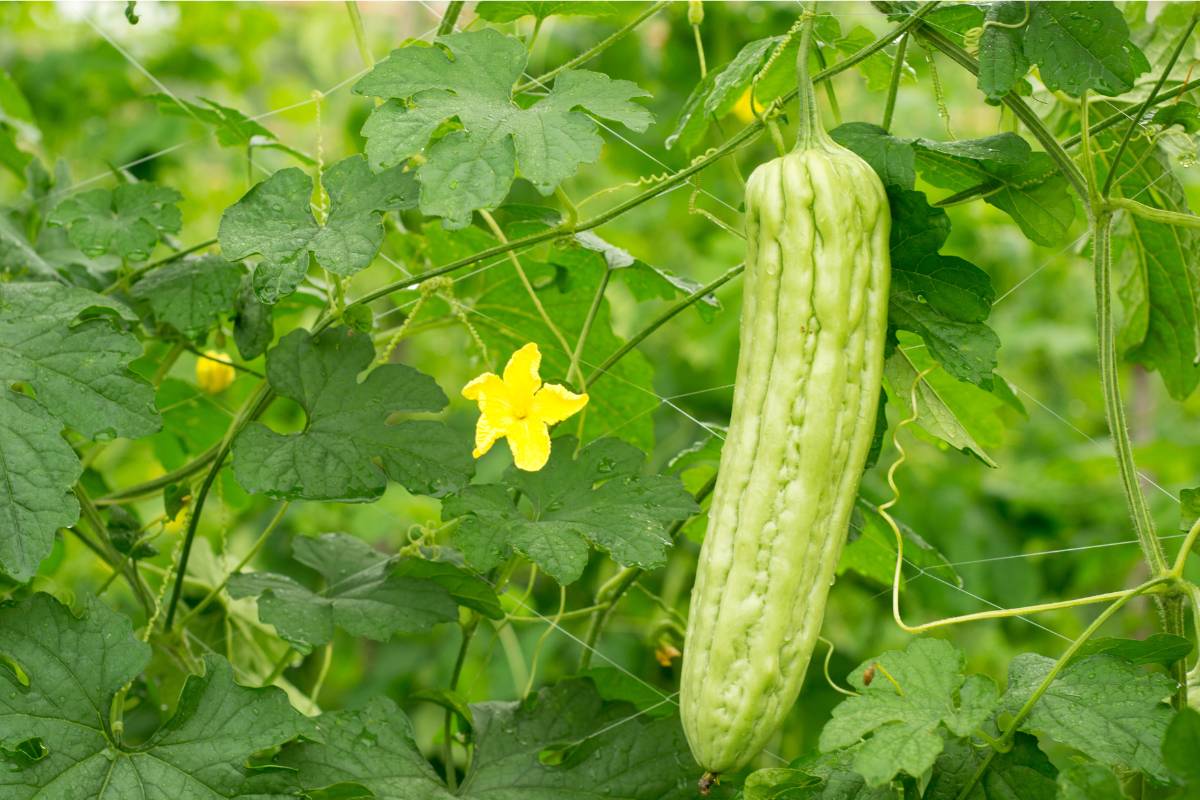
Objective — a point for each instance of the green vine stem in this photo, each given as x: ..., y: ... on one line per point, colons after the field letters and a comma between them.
x: 1153, y: 214
x: 468, y: 633
x: 595, y: 50
x: 147, y: 488
x: 254, y: 405
x: 107, y: 553
x: 679, y: 306
x: 809, y: 130
x: 450, y: 17
x: 360, y: 34
x: 250, y: 554
x: 133, y: 276
x: 889, y: 107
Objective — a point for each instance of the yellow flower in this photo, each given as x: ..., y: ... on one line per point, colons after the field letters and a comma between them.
x: 743, y: 109
x: 521, y: 408
x: 214, y: 376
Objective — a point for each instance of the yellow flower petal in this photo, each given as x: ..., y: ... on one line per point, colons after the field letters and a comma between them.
x: 529, y: 440
x: 521, y: 375
x: 486, y: 435
x: 493, y: 397
x: 554, y: 403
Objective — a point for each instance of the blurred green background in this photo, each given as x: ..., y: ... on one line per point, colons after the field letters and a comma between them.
x: 87, y: 74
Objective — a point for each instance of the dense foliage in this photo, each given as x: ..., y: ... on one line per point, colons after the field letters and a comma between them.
x: 251, y: 255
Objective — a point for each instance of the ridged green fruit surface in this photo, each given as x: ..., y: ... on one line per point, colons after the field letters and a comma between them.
x: 814, y: 318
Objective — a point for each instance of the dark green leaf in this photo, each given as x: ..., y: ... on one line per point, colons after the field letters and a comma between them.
x: 596, y: 749
x: 1185, y: 115
x: 126, y: 221
x: 617, y: 685
x: 360, y: 595
x: 1101, y: 705
x: 232, y: 127
x: 1180, y: 746
x: 77, y: 363
x: 253, y: 322
x: 1158, y: 648
x: 469, y: 76
x: 893, y: 158
x: 275, y: 220
x: 1089, y: 781
x: 1002, y: 61
x: 1159, y: 294
x: 1082, y: 45
x: 599, y: 498
x: 943, y: 299
x: 565, y: 743
x: 373, y: 748
x: 1023, y: 773
x: 907, y: 730
x: 467, y: 589
x: 191, y: 295
x: 333, y: 458
x: 70, y: 669
x: 37, y: 470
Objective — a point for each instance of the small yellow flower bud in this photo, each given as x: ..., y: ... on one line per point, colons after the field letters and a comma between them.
x: 695, y: 12
x: 214, y: 376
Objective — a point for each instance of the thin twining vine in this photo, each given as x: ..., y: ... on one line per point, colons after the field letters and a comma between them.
x: 1169, y: 581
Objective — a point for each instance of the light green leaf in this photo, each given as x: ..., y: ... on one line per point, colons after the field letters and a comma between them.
x: 70, y: 668
x: 717, y: 93
x: 37, y: 470
x: 360, y: 595
x: 333, y: 458
x: 907, y: 731
x: 275, y: 220
x: 871, y: 549
x: 127, y: 221
x: 471, y: 79
x: 828, y: 776
x: 598, y: 498
x: 1102, y: 706
x: 509, y: 10
x: 961, y: 415
x: 1189, y: 508
x: 18, y: 259
x: 1082, y: 45
x: 78, y: 367
x: 1023, y: 773
x: 191, y: 295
